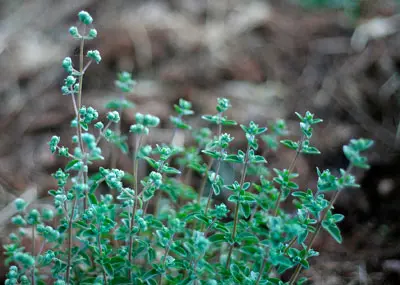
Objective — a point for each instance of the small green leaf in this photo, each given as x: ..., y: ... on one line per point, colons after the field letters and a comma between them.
x: 71, y: 164
x: 338, y: 217
x: 290, y: 144
x: 216, y: 238
x: 179, y: 250
x: 333, y: 230
x: 236, y: 274
x: 170, y: 170
x: 246, y: 210
x: 216, y: 188
x: 93, y: 199
x: 305, y: 263
x: 202, y: 218
x: 108, y: 268
x: 233, y: 158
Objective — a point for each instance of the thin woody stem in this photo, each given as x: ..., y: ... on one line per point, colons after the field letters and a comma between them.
x: 243, y: 176
x: 318, y: 229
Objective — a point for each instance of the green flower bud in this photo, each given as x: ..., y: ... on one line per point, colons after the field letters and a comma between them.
x: 223, y: 105
x: 65, y: 90
x: 75, y: 139
x: 74, y: 32
x: 113, y: 116
x: 33, y: 217
x: 221, y: 211
x: 95, y: 55
x: 156, y: 178
x: 67, y: 63
x: 70, y: 80
x: 146, y: 150
x: 61, y: 177
x: 82, y: 111
x: 99, y: 125
x: 142, y: 224
x: 63, y: 151
x: 21, y: 232
x: 76, y: 87
x: 18, y: 220
x: 11, y: 281
x: 201, y: 243
x: 139, y: 129
x: 74, y: 123
x: 92, y: 33
x: 139, y: 118
x: 47, y: 214
x: 24, y: 280
x: 13, y: 273
x: 224, y: 140
x: 20, y: 204
x: 25, y: 259
x: 13, y: 237
x: 107, y: 198
x: 127, y: 203
x: 60, y: 282
x: 70, y: 196
x: 85, y: 17
x: 54, y: 143
x: 125, y: 82
x: 151, y: 121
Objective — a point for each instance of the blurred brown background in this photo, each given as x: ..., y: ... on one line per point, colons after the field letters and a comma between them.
x: 338, y: 59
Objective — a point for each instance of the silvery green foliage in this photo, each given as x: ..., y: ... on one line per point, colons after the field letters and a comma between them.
x: 90, y: 238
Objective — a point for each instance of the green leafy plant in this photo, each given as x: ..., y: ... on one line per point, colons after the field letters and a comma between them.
x: 352, y: 8
x: 188, y: 237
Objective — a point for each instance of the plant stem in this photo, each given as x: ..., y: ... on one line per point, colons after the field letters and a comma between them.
x: 276, y: 207
x: 319, y: 226
x: 204, y: 181
x: 81, y: 67
x: 75, y: 106
x: 208, y: 169
x: 33, y: 253
x: 114, y: 150
x: 164, y: 258
x: 67, y: 274
x: 101, y: 253
x: 102, y: 132
x: 134, y: 208
x: 197, y: 261
x: 235, y: 222
x: 157, y: 198
x: 291, y: 167
x: 211, y: 190
x: 261, y: 270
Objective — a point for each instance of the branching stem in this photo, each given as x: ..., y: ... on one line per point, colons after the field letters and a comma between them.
x: 318, y: 229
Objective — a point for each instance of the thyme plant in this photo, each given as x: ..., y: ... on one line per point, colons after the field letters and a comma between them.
x: 162, y: 228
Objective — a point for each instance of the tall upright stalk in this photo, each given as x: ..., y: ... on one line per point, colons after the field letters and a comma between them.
x: 216, y: 171
x: 236, y: 217
x: 101, y: 253
x: 69, y: 249
x: 33, y: 253
x: 318, y: 228
x: 204, y: 180
x: 134, y: 208
x: 84, y: 173
x: 276, y: 207
x: 291, y: 167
